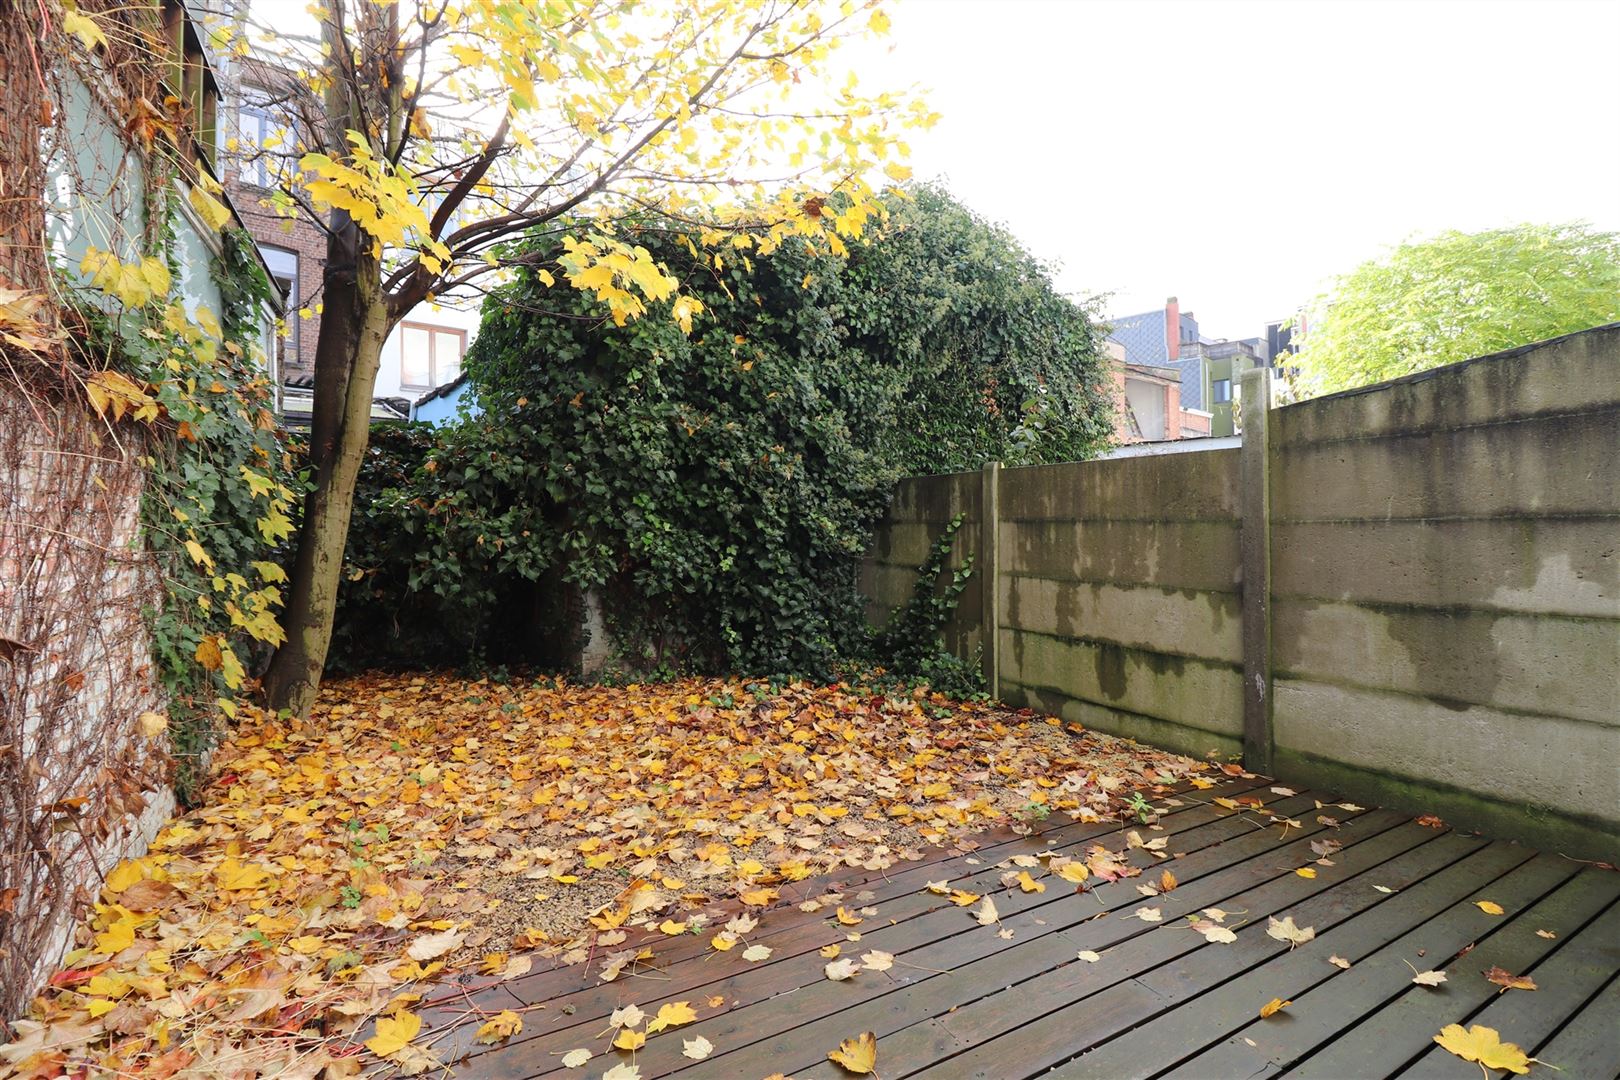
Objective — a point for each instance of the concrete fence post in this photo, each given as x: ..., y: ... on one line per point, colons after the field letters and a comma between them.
x: 988, y: 566
x: 1254, y: 502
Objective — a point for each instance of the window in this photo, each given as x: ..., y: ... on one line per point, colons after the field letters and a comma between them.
x: 283, y: 267
x: 1221, y: 391
x: 257, y: 132
x: 429, y: 356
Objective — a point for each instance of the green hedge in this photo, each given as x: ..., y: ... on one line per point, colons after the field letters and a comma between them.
x: 716, y: 488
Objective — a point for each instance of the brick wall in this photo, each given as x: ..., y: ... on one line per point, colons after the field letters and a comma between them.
x: 308, y: 242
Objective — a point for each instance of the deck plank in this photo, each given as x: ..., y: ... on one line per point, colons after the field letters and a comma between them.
x: 1033, y: 977
x: 964, y: 1002
x: 1218, y: 990
x: 1379, y: 972
x: 1587, y: 1046
x: 1405, y: 1028
x: 906, y: 920
x: 1585, y: 960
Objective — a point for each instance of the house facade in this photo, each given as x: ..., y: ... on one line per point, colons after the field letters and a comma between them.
x: 1147, y: 402
x: 423, y: 352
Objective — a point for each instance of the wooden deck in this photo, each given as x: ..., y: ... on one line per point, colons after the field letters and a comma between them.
x: 963, y: 1001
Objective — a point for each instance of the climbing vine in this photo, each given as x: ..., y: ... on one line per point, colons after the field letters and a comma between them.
x: 219, y: 482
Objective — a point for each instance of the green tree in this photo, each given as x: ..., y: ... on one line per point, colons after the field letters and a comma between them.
x: 1459, y: 295
x: 431, y: 133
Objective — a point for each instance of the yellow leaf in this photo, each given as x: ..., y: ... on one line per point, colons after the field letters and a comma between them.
x: 848, y: 917
x: 503, y: 1025
x: 123, y: 876
x: 1275, y: 1005
x: 1489, y: 907
x: 630, y: 1040
x: 84, y: 28
x: 1029, y: 884
x: 857, y: 1055
x: 963, y: 898
x: 671, y: 1015
x: 1484, y: 1045
x: 1305, y: 872
x: 671, y: 927
x: 394, y: 1032
x: 1074, y: 872
x: 153, y: 724
x: 234, y: 875
x: 210, y: 209
x: 100, y: 1007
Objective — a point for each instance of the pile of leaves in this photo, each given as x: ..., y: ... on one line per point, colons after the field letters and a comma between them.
x: 417, y: 826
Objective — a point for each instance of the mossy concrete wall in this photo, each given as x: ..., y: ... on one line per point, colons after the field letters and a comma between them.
x: 1444, y: 612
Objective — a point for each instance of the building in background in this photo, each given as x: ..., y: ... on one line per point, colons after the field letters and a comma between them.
x: 1147, y: 402
x: 1208, y: 369
x: 266, y: 107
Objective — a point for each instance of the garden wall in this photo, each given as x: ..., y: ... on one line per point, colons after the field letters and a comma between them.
x: 81, y: 786
x: 1434, y: 619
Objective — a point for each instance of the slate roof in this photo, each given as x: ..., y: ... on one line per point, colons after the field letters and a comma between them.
x: 1143, y: 337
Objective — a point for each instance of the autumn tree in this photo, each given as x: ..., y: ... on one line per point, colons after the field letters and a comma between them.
x: 431, y: 133
x: 1459, y: 295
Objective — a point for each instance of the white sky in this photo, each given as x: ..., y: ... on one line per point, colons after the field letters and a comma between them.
x: 1237, y: 155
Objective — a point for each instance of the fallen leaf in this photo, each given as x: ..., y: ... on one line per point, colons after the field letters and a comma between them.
x: 963, y: 898
x: 1431, y: 821
x: 671, y: 1014
x: 503, y: 1025
x: 697, y: 1049
x: 1508, y: 981
x: 624, y: 1070
x: 1073, y: 872
x: 627, y: 1016
x: 1167, y: 882
x: 433, y: 946
x: 1029, y: 884
x: 1088, y: 956
x: 1285, y: 930
x: 939, y: 888
x: 1339, y: 962
x: 1383, y: 888
x: 1283, y: 791
x: 1272, y: 1007
x: 877, y: 960
x: 848, y: 917
x: 1548, y: 934
x: 1489, y: 907
x: 1305, y: 872
x: 629, y: 1040
x: 1149, y: 914
x: 857, y: 1055
x: 1429, y: 978
x: 830, y: 951
x: 575, y: 1058
x: 986, y: 913
x: 1484, y: 1045
x: 393, y: 1032
x: 755, y: 953
x: 1217, y: 934
x: 839, y: 970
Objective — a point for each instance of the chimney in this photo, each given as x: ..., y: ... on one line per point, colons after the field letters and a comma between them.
x: 1172, y: 328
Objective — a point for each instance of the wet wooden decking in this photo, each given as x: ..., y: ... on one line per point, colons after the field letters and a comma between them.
x: 963, y: 1000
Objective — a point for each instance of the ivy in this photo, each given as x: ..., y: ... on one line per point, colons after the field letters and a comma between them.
x: 219, y: 483
x: 714, y: 491
x: 908, y: 644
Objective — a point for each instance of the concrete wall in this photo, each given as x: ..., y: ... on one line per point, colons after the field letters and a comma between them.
x: 1446, y: 589
x: 1441, y: 630
x: 923, y: 506
x: 1118, y: 596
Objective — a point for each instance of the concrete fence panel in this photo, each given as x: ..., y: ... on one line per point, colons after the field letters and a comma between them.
x: 1409, y: 592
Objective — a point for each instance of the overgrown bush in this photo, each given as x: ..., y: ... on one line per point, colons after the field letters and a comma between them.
x: 716, y: 488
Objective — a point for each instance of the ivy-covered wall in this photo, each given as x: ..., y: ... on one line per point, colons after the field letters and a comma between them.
x: 145, y: 486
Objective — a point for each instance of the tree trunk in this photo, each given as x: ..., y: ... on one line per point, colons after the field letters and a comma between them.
x: 354, y: 324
